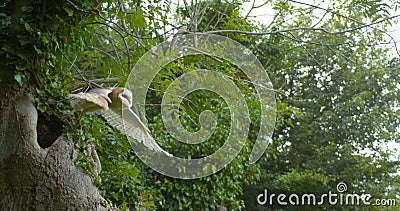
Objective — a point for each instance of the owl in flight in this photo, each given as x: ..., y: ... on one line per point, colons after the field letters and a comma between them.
x: 110, y: 102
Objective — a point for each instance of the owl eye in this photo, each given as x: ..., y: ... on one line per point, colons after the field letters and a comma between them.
x: 125, y: 96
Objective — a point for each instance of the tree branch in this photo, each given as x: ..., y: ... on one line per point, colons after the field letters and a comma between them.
x: 295, y: 29
x: 96, y: 82
x: 344, y: 16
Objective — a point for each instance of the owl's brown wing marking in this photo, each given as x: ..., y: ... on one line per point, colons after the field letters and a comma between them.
x: 102, y: 92
x: 131, y: 125
x: 100, y: 97
x: 90, y: 101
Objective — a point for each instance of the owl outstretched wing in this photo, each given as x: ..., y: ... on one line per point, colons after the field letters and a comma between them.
x: 90, y: 101
x: 130, y: 124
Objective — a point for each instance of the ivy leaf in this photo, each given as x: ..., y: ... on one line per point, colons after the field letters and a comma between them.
x: 26, y: 9
x: 28, y: 27
x: 69, y: 11
x: 20, y: 78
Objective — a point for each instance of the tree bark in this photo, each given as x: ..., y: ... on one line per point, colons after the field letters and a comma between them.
x: 36, y: 178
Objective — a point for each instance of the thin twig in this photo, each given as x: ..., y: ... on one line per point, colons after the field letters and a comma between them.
x: 73, y: 65
x: 96, y: 82
x: 203, y: 52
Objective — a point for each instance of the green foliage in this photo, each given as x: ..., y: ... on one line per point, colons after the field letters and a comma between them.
x: 337, y: 94
x: 336, y: 116
x: 226, y: 186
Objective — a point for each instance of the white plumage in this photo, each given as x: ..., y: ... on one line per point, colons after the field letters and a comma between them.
x: 110, y: 103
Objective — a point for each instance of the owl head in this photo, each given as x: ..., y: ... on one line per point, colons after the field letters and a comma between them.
x: 121, y: 98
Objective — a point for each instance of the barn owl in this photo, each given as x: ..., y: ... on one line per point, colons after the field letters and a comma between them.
x: 110, y: 102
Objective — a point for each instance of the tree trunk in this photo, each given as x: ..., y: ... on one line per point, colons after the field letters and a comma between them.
x: 33, y: 177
